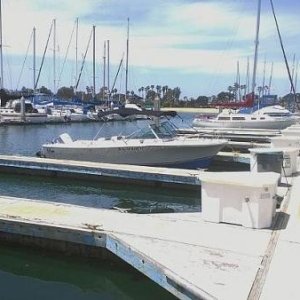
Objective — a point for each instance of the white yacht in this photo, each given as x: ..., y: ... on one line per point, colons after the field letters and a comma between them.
x: 21, y: 111
x: 158, y: 145
x: 269, y: 117
x: 261, y: 117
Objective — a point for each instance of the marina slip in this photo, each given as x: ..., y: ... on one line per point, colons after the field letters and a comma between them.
x: 192, y: 255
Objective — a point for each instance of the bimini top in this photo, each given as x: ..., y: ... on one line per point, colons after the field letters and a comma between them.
x: 125, y: 112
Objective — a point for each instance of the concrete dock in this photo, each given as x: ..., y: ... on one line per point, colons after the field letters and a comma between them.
x: 189, y: 257
x: 153, y: 176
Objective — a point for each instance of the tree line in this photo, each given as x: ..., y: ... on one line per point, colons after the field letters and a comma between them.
x: 170, y: 97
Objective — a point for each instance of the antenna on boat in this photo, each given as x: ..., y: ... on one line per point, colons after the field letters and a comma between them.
x: 156, y: 106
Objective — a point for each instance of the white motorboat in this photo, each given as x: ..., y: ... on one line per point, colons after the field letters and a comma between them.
x: 21, y: 111
x: 269, y: 117
x: 157, y: 146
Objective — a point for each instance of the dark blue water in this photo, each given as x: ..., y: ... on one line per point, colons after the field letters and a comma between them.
x: 28, y: 274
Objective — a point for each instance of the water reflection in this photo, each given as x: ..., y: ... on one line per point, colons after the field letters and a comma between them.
x: 136, y: 199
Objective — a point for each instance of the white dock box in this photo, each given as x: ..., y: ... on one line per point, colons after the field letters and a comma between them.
x: 285, y: 141
x: 291, y: 132
x: 280, y: 160
x: 240, y: 198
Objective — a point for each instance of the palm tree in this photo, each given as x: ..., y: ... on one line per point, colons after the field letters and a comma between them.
x: 147, y: 88
x: 230, y: 90
x: 143, y: 95
x: 158, y: 90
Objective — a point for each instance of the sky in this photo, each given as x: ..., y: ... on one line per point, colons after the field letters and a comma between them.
x: 197, y: 45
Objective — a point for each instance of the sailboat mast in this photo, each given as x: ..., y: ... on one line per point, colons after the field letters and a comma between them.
x: 238, y: 81
x: 76, y: 50
x: 127, y: 57
x: 108, y: 87
x: 256, y: 48
x: 104, y: 68
x: 264, y: 77
x: 54, y: 56
x: 34, y: 58
x: 94, y: 70
x: 1, y: 54
x: 247, y: 77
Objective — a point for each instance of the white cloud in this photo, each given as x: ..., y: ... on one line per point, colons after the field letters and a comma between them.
x: 205, y: 37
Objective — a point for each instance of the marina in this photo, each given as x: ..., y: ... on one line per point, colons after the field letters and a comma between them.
x: 116, y: 187
x: 199, y: 268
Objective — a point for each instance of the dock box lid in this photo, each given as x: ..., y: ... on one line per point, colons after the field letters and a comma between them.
x: 246, y: 179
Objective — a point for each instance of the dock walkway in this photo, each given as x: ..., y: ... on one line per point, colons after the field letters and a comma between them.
x: 157, y: 176
x: 153, y: 176
x: 187, y: 256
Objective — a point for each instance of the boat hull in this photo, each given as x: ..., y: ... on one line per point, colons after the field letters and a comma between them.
x: 189, y: 156
x: 28, y: 118
x: 265, y: 124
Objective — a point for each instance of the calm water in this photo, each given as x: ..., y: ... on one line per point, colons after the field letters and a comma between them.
x: 29, y: 274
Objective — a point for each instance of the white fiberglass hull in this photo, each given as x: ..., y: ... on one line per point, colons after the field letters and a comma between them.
x: 28, y: 118
x: 148, y: 152
x: 253, y: 124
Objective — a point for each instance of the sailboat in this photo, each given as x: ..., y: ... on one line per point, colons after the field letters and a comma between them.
x: 15, y: 109
x: 267, y: 117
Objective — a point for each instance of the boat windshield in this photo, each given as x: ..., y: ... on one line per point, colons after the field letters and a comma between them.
x: 164, y: 131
